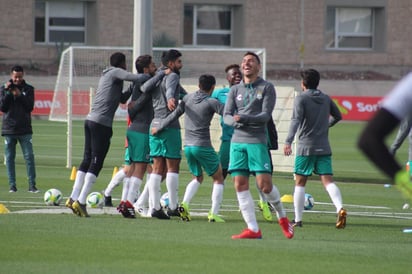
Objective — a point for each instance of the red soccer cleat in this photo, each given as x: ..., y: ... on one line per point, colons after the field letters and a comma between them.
x: 287, y: 227
x: 248, y: 234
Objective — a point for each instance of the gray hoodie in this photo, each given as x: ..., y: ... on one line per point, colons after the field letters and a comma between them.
x: 199, y: 109
x: 109, y: 94
x: 313, y: 113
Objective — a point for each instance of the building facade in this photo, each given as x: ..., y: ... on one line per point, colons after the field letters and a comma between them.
x: 330, y: 34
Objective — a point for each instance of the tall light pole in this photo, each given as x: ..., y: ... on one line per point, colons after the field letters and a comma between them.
x: 142, y: 28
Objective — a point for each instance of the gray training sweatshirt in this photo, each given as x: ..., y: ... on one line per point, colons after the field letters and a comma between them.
x: 109, y: 94
x: 313, y: 113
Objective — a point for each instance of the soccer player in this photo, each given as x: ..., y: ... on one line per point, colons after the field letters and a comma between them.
x: 233, y: 77
x: 140, y: 111
x: 98, y: 129
x: 314, y: 113
x: 248, y: 108
x: 165, y: 147
x: 397, y: 105
x: 199, y: 109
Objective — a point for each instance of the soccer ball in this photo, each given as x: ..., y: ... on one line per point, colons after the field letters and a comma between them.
x: 309, y: 202
x: 95, y: 200
x: 53, y: 197
x: 164, y: 200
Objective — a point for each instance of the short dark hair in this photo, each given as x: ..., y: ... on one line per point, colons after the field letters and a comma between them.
x: 170, y: 55
x: 117, y: 59
x: 143, y: 61
x: 17, y: 68
x: 310, y: 78
x: 253, y: 54
x: 206, y: 82
x: 232, y: 66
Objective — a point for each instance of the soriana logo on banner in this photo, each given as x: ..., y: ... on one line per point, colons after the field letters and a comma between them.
x: 357, y: 108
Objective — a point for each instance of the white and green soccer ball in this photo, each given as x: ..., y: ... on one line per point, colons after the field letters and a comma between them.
x: 95, y: 200
x: 53, y: 197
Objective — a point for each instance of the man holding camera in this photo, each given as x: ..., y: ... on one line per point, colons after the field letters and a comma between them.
x: 17, y: 103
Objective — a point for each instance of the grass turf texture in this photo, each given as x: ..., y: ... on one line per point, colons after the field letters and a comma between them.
x: 372, y: 242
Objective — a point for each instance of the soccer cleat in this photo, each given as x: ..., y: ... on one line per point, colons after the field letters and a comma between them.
x: 127, y: 210
x: 143, y: 212
x: 183, y: 210
x: 403, y: 183
x: 160, y: 214
x: 13, y: 189
x: 248, y: 234
x: 264, y: 207
x: 173, y: 212
x: 80, y: 209
x: 69, y: 204
x: 287, y: 228
x: 33, y: 189
x: 108, y: 201
x: 296, y: 224
x: 214, y: 218
x: 341, y: 222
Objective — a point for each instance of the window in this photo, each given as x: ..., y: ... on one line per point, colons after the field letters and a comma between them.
x: 208, y: 25
x: 350, y: 28
x: 57, y: 22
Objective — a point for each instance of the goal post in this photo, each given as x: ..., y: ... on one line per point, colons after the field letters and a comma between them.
x: 81, y: 67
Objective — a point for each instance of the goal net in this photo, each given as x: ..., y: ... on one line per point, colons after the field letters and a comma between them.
x: 81, y: 67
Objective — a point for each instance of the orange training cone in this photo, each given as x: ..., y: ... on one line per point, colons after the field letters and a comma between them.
x: 73, y: 174
x: 115, y: 170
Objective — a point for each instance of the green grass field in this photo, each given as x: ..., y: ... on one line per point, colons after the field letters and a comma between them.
x: 35, y: 238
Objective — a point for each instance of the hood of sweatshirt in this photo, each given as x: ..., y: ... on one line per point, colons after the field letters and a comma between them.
x: 199, y: 96
x: 316, y: 95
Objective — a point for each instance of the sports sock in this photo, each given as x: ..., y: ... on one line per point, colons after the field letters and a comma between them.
x: 125, y: 189
x: 89, y: 180
x: 116, y: 180
x: 134, y: 185
x: 273, y: 197
x: 217, y: 197
x: 299, y: 202
x: 143, y: 199
x: 191, y: 190
x: 172, y: 184
x: 335, y: 195
x: 78, y: 184
x: 247, y: 208
x: 154, y: 190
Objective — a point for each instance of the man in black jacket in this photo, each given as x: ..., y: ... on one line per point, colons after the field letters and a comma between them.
x: 16, y: 103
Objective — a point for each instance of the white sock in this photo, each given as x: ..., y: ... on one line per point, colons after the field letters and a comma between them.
x: 335, y: 196
x: 125, y: 189
x: 143, y: 198
x: 78, y: 184
x: 116, y: 180
x: 191, y: 190
x: 217, y: 197
x: 299, y: 202
x: 172, y: 184
x: 134, y: 185
x: 154, y: 190
x: 89, y: 180
x: 247, y: 208
x: 273, y: 197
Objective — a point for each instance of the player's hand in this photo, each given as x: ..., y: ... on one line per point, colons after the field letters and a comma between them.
x: 153, y: 131
x: 236, y: 118
x: 287, y: 150
x: 171, y: 104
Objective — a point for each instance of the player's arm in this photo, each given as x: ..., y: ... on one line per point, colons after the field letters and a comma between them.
x: 174, y: 115
x: 297, y: 118
x: 372, y: 141
x: 172, y: 87
x: 153, y: 82
x: 26, y: 98
x: 5, y: 99
x: 230, y: 109
x: 140, y: 99
x: 335, y: 115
